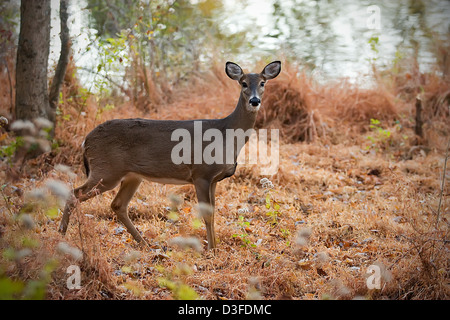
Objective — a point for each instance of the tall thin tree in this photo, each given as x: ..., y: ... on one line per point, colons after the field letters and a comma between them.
x: 32, y: 60
x: 58, y: 79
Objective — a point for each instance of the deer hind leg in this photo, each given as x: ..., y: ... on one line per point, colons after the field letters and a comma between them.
x: 92, y: 187
x: 206, y: 195
x: 120, y: 203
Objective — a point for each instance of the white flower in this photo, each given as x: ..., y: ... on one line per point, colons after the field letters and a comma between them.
x: 65, y: 169
x: 303, y: 236
x: 186, y: 243
x: 64, y: 248
x: 3, y: 121
x: 322, y: 257
x: 266, y: 183
x: 204, y: 210
x: 43, y: 123
x: 19, y: 125
x: 38, y: 194
x: 254, y: 289
x: 175, y: 201
x: 27, y: 221
x: 243, y: 211
x: 132, y: 256
x: 58, y: 189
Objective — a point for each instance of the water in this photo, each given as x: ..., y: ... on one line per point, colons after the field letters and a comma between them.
x: 330, y: 37
x: 333, y: 36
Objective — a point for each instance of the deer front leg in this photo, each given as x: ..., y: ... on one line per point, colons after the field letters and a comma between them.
x: 205, y: 195
x: 70, y: 205
x: 90, y: 189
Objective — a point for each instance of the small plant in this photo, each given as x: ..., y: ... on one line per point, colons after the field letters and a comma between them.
x: 285, y: 233
x: 243, y: 235
x: 173, y: 280
x: 274, y: 210
x: 21, y: 244
x: 271, y: 204
x: 374, y: 43
x: 101, y: 110
x: 20, y: 289
x: 380, y: 138
x: 8, y: 151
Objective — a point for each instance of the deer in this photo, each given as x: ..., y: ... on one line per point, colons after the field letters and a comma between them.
x: 128, y: 151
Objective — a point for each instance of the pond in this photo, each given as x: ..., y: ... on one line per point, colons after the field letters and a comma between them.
x: 333, y: 38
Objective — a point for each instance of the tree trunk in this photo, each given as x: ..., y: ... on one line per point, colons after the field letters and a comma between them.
x: 419, y: 123
x: 61, y: 68
x: 32, y: 60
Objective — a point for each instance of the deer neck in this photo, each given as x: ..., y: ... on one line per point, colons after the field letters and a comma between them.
x: 241, y: 118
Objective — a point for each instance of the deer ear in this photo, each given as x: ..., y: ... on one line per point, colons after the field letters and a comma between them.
x: 233, y: 71
x: 271, y: 70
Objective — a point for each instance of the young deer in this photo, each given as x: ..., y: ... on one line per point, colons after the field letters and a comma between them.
x: 130, y: 150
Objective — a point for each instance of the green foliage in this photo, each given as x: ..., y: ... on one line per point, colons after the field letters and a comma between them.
x: 159, y: 41
x: 12, y: 258
x: 243, y: 235
x: 8, y: 151
x: 173, y: 280
x: 381, y: 138
x: 101, y: 110
x: 274, y: 210
x: 8, y: 24
x: 396, y: 64
x: 374, y: 44
x: 20, y: 243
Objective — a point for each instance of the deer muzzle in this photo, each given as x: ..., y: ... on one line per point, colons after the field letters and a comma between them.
x: 255, y: 101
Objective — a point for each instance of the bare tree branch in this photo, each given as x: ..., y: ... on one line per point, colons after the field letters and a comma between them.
x: 122, y: 88
x: 443, y: 184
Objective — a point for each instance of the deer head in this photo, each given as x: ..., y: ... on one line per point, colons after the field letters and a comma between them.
x: 252, y: 84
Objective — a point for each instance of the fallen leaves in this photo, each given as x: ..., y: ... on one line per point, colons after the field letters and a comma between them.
x: 354, y: 209
x: 187, y: 210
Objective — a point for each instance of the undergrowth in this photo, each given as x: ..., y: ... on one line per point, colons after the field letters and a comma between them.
x: 355, y: 187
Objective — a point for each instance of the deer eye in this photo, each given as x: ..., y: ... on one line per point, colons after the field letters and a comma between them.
x: 244, y: 84
x: 262, y: 84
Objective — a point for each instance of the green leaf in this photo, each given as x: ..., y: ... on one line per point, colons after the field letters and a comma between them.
x: 133, y: 288
x: 10, y: 289
x: 29, y: 242
x: 185, y: 292
x: 9, y: 254
x: 196, y: 223
x: 173, y: 216
x: 35, y: 290
x: 163, y: 282
x: 52, y: 213
x: 126, y: 269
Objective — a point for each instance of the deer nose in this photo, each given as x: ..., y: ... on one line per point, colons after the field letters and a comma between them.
x: 255, y: 101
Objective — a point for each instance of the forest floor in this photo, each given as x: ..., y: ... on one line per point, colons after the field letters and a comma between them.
x: 336, y: 208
